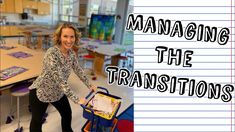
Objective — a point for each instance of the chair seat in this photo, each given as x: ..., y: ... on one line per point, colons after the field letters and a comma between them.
x: 122, y: 57
x: 20, y: 90
x: 88, y: 57
x: 19, y: 94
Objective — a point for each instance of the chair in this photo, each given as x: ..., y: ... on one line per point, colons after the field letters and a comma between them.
x: 127, y: 60
x: 26, y: 38
x: 124, y: 60
x: 20, y: 91
x: 89, y: 58
x: 130, y: 56
x: 30, y: 39
x: 2, y: 40
x: 34, y: 40
x: 85, y: 57
x: 20, y: 38
x: 47, y: 42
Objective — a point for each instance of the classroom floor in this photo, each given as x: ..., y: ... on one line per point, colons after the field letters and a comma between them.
x: 52, y: 123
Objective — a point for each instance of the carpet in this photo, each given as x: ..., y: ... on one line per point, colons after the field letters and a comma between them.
x: 126, y: 120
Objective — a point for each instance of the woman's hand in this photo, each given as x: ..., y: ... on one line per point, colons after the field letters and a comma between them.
x: 93, y: 88
x: 82, y: 101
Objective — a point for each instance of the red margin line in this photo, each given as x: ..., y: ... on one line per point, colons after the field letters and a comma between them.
x: 231, y: 17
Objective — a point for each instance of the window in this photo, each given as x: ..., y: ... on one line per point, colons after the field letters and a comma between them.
x: 69, y: 10
x: 107, y: 7
x: 128, y: 36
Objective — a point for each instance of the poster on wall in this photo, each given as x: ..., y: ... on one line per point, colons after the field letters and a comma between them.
x: 101, y: 27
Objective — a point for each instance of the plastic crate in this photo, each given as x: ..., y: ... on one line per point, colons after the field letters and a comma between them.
x: 99, y: 120
x: 87, y: 126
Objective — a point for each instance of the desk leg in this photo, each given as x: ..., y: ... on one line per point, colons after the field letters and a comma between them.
x: 98, y: 63
x: 27, y: 38
x: 115, y: 60
x: 39, y: 46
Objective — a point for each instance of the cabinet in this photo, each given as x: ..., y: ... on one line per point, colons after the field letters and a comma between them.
x: 9, y: 31
x: 43, y: 8
x: 9, y: 6
x: 2, y: 7
x: 18, y: 6
x: 30, y: 4
x: 14, y: 30
x: 4, y: 31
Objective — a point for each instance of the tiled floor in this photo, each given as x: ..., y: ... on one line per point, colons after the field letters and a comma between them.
x: 53, y: 120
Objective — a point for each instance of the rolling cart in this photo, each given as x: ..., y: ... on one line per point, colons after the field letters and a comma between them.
x: 98, y: 121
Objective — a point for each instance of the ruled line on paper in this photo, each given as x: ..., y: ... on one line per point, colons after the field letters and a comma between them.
x: 137, y: 34
x: 182, y: 117
x: 185, y: 131
x: 184, y: 125
x: 170, y: 41
x: 232, y: 113
x: 184, y: 103
x: 187, y: 13
x: 181, y: 55
x: 224, y: 69
x: 182, y: 111
x: 187, y: 48
x: 166, y: 62
x: 182, y: 6
x: 142, y: 90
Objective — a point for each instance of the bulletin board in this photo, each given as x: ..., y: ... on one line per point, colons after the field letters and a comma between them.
x: 101, y: 27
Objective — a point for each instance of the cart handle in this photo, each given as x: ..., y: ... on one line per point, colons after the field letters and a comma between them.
x: 85, y: 107
x: 102, y: 88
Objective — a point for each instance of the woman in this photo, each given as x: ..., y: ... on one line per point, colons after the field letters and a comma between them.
x: 52, y: 86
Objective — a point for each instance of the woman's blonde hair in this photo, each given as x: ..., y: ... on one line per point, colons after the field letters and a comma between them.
x: 58, y: 31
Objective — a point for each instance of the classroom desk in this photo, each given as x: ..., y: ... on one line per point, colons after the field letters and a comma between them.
x: 40, y: 32
x: 32, y: 63
x: 104, y: 49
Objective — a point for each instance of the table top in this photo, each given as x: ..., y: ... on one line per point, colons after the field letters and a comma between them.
x: 32, y: 63
x: 105, y: 48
